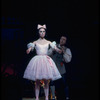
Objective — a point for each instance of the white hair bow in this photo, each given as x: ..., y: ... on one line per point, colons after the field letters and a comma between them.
x: 41, y: 26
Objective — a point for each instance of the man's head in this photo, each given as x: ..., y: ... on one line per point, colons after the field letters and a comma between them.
x: 63, y: 40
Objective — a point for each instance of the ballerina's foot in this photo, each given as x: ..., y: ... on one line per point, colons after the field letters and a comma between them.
x: 46, y: 99
x: 37, y: 99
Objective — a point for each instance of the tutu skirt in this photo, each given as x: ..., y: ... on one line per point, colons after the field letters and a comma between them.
x: 41, y: 67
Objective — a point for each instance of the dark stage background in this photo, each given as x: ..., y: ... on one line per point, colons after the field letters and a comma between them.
x: 78, y: 19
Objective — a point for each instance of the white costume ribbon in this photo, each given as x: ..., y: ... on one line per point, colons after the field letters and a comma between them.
x: 41, y: 26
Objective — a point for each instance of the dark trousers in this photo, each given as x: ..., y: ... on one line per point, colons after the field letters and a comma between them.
x: 62, y: 87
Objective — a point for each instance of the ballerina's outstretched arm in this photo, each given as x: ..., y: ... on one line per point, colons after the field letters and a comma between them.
x: 54, y: 47
x: 30, y: 47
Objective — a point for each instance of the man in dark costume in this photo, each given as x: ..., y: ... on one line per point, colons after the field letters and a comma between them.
x: 61, y: 58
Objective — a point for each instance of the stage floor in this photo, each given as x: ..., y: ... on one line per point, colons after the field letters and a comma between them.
x: 41, y: 98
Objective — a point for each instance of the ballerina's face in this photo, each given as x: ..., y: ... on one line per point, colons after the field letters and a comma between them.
x: 42, y: 32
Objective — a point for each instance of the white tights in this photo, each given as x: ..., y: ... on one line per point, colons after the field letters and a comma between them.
x: 46, y: 89
x: 37, y: 89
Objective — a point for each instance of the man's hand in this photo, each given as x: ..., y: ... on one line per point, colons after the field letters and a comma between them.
x: 60, y: 51
x: 63, y: 49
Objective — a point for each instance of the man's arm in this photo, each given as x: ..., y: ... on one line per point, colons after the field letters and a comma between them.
x: 67, y: 55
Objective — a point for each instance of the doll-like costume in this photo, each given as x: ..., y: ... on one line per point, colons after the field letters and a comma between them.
x: 41, y: 66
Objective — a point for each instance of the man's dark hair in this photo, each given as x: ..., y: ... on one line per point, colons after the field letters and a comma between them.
x: 65, y: 35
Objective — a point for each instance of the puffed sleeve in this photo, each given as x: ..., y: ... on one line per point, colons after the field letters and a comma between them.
x: 30, y: 45
x: 53, y: 45
x: 67, y: 55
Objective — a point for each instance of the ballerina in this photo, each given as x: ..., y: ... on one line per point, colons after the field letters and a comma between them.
x: 41, y: 66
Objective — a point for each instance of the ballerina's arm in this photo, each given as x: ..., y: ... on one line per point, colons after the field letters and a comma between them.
x: 30, y: 47
x: 54, y: 47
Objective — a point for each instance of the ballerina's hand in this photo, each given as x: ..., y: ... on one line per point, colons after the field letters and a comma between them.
x: 60, y: 51
x: 28, y: 50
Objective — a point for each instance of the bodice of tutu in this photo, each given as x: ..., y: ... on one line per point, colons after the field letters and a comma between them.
x: 41, y: 49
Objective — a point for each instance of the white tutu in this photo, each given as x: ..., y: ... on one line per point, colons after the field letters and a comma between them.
x: 41, y: 66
